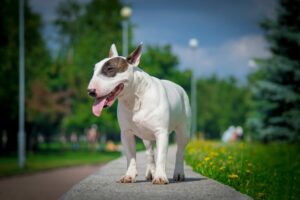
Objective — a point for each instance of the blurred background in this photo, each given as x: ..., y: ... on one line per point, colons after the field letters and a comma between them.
x: 237, y: 60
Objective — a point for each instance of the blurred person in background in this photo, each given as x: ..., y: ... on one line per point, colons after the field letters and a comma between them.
x: 232, y: 134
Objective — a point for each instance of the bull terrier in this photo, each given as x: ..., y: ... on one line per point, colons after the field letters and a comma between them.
x: 148, y: 108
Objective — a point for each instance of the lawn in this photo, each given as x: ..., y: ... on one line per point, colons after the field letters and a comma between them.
x: 261, y: 171
x: 55, y: 155
x: 53, y: 159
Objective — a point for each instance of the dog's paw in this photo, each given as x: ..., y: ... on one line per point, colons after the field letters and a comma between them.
x: 160, y: 180
x: 127, y: 179
x: 178, y: 177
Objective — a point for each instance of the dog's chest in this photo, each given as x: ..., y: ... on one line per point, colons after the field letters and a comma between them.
x: 139, y: 122
x: 143, y: 127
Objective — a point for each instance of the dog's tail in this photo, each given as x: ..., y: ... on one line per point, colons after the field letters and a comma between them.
x: 188, y: 111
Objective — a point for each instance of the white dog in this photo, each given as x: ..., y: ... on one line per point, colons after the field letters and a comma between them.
x: 148, y: 108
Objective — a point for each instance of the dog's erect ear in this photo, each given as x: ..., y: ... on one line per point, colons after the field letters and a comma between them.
x: 113, y: 51
x: 134, y: 57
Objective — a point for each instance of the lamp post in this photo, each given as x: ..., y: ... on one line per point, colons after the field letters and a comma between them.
x: 252, y: 63
x: 193, y: 43
x: 21, y: 132
x: 126, y: 12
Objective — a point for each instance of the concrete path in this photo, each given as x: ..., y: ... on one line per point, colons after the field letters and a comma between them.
x: 103, y: 185
x: 46, y: 185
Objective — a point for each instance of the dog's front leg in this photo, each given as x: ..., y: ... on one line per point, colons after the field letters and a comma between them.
x: 128, y: 143
x: 162, y: 140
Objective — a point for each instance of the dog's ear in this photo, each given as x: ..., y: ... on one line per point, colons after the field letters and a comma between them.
x: 134, y: 57
x: 113, y: 51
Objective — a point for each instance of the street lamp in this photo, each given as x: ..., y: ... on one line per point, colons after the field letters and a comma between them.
x: 193, y: 43
x: 21, y: 132
x: 126, y: 12
x: 252, y: 63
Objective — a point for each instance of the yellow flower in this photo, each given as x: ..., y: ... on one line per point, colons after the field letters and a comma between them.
x: 207, y: 158
x: 222, y: 168
x: 233, y: 176
x: 223, y: 150
x: 214, y: 154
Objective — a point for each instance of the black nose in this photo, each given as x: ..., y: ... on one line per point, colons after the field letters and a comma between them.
x: 92, y: 92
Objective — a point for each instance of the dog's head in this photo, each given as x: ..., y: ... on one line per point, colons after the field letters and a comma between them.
x: 111, y: 76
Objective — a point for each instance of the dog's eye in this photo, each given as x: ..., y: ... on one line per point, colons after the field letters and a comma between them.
x: 110, y: 68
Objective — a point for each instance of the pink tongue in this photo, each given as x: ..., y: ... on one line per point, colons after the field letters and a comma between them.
x: 98, y: 106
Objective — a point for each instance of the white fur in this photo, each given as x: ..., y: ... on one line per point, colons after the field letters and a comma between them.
x: 113, y: 50
x: 150, y: 109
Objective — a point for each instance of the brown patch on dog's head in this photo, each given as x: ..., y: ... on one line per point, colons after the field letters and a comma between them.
x: 114, y: 66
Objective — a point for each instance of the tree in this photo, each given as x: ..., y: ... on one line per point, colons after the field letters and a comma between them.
x: 87, y: 31
x: 221, y: 103
x: 37, y: 60
x: 159, y: 61
x: 277, y: 89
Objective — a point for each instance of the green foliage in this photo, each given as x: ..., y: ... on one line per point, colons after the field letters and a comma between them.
x: 87, y: 32
x: 50, y: 160
x: 37, y: 60
x: 221, y: 103
x: 159, y: 61
x: 277, y: 80
x: 261, y: 171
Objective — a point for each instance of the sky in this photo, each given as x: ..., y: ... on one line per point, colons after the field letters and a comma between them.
x: 227, y: 31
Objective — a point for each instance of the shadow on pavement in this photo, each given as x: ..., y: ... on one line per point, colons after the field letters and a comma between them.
x: 171, y: 181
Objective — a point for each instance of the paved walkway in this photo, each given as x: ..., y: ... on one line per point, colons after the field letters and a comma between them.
x: 46, y: 185
x: 102, y: 185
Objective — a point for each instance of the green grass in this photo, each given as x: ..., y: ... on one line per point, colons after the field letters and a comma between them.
x: 53, y: 159
x: 55, y: 155
x: 58, y: 146
x: 261, y: 171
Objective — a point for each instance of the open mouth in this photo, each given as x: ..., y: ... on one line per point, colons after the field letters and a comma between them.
x: 107, y: 100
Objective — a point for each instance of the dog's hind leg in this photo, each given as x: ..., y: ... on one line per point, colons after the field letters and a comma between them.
x: 182, y: 135
x: 150, y: 170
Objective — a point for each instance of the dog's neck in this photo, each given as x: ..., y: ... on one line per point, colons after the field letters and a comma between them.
x: 135, y: 89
